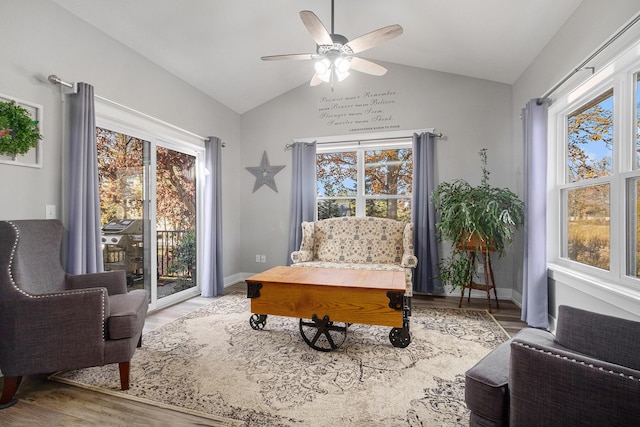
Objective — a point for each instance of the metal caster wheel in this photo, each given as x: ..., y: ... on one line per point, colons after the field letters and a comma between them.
x: 400, y: 337
x: 322, y: 334
x: 257, y: 321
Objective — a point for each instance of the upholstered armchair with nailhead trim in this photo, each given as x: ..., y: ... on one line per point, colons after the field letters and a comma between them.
x: 587, y: 374
x: 51, y: 321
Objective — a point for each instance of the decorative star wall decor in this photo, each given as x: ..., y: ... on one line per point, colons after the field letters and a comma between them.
x: 265, y: 173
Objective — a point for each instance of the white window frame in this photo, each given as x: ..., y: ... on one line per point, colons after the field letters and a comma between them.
x: 360, y: 143
x: 620, y: 75
x: 118, y: 118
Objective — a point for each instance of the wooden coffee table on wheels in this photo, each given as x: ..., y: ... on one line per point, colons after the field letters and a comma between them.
x: 325, y: 297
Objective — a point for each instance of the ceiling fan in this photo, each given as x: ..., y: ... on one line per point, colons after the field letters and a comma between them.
x: 335, y: 54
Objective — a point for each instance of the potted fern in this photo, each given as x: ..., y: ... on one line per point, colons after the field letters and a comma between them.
x: 480, y: 219
x: 18, y: 131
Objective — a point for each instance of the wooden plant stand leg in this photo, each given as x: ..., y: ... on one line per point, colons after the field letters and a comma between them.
x: 469, y: 284
x: 486, y: 265
x: 493, y: 285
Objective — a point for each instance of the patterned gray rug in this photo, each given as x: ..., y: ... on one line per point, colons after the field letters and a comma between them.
x: 212, y: 363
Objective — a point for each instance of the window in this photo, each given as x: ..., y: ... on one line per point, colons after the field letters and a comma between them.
x: 595, y: 176
x: 632, y: 185
x: 365, y: 180
x: 589, y: 148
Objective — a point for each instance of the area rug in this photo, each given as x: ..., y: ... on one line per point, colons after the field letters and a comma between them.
x: 212, y: 363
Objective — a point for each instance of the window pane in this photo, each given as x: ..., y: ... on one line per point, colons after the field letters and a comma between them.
x: 122, y: 187
x: 399, y: 209
x: 633, y: 236
x: 331, y: 208
x: 176, y: 220
x: 588, y: 227
x: 637, y: 119
x: 388, y: 172
x: 590, y: 140
x: 337, y: 174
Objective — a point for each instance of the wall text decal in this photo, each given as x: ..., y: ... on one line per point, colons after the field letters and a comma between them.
x: 366, y: 112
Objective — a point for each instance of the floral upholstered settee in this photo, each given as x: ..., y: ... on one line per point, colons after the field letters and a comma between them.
x: 358, y: 243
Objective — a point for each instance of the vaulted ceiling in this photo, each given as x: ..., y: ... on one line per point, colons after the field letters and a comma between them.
x: 216, y: 45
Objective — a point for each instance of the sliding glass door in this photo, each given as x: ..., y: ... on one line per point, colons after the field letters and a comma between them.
x: 176, y: 209
x: 149, y: 215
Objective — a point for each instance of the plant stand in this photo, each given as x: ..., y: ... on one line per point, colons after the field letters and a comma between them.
x: 489, y: 282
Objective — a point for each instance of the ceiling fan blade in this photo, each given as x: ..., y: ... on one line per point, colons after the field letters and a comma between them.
x: 318, y: 32
x: 374, y: 38
x: 294, y: 56
x: 315, y: 81
x: 367, y: 67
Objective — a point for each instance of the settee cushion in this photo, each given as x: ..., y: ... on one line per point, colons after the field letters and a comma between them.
x: 358, y: 240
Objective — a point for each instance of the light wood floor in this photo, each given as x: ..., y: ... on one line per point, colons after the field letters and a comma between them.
x: 48, y: 403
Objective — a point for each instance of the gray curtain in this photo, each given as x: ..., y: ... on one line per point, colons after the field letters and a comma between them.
x: 84, y: 248
x: 303, y: 188
x: 534, y: 287
x: 212, y: 277
x: 423, y: 216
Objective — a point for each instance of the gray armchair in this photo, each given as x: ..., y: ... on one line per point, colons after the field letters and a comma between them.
x: 587, y: 375
x: 52, y: 321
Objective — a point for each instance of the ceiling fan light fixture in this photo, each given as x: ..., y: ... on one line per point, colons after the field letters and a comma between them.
x: 335, y: 55
x: 343, y: 65
x: 323, y: 67
x: 342, y: 75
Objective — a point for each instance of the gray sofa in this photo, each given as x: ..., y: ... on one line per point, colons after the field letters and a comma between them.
x: 588, y: 374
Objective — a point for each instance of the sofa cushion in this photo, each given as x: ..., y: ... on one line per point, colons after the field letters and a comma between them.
x: 359, y: 240
x: 350, y: 265
x: 127, y: 312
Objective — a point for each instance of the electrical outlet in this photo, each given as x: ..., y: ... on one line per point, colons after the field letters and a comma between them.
x: 257, y: 258
x: 263, y: 258
x: 50, y: 212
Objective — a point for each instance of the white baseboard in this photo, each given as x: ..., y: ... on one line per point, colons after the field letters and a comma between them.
x: 235, y: 278
x: 503, y: 294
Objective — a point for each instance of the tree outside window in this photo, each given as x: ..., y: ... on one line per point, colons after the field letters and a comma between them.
x: 372, y: 182
x: 589, y: 157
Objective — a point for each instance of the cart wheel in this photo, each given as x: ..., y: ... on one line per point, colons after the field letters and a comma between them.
x: 257, y: 321
x: 322, y: 334
x: 400, y: 337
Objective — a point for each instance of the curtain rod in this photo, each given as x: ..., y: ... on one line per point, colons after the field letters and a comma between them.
x: 337, y: 139
x: 582, y: 66
x: 57, y: 80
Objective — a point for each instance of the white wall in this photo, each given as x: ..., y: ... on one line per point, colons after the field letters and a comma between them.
x: 472, y: 114
x: 593, y: 22
x: 41, y: 39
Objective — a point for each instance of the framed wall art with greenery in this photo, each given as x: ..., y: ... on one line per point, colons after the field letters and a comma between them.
x: 20, y: 132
